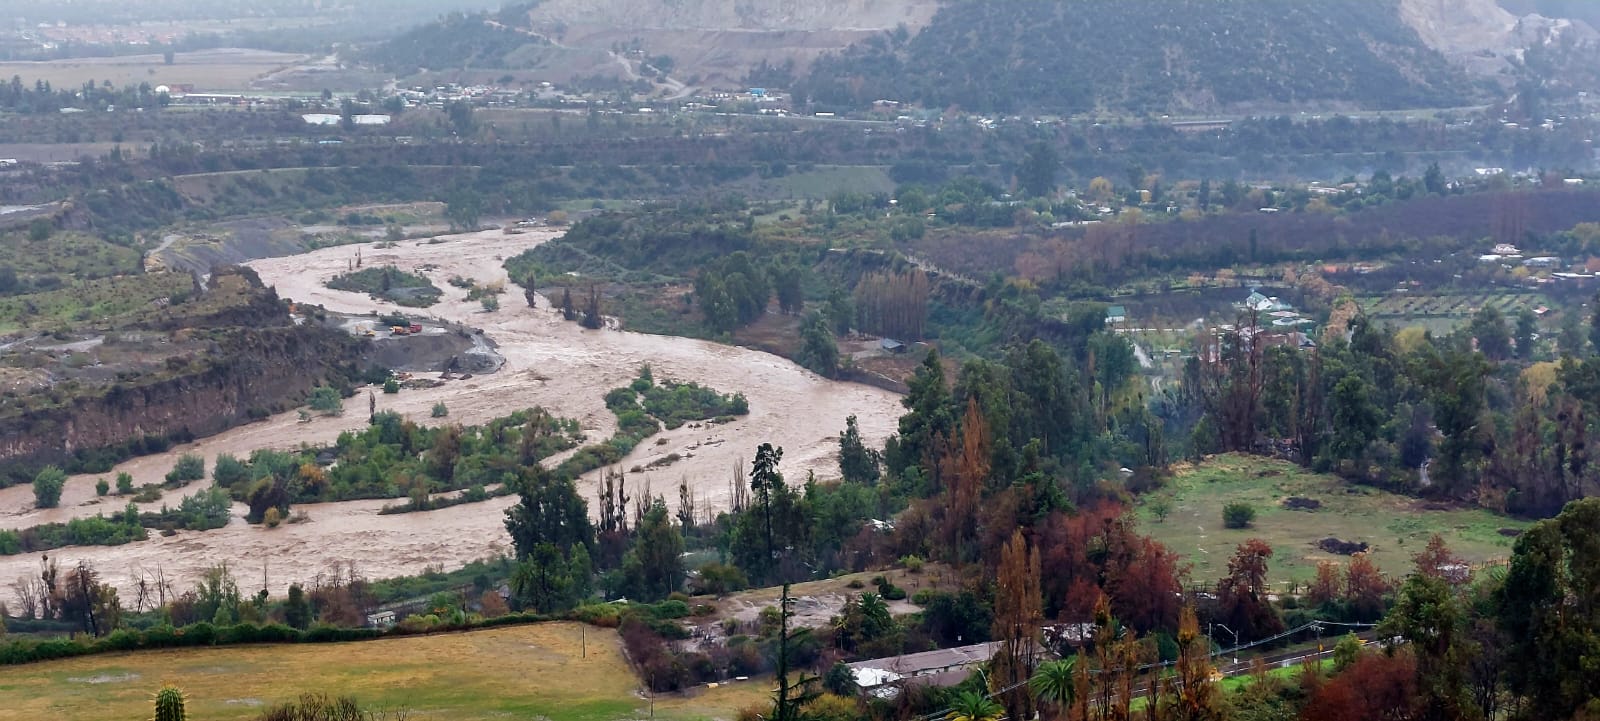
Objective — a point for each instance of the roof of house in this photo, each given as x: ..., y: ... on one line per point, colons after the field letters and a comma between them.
x: 894, y: 668
x: 1116, y: 311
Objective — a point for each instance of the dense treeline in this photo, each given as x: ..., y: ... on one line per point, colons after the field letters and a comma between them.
x: 1071, y: 57
x: 894, y: 305
x: 1469, y: 416
x: 17, y: 97
x: 1452, y: 228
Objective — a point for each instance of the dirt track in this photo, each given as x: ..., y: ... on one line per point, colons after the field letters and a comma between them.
x: 550, y: 362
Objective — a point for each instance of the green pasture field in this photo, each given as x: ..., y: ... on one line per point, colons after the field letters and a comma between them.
x: 1396, y: 527
x: 538, y: 671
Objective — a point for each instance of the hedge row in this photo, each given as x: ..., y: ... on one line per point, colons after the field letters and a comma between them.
x: 23, y: 651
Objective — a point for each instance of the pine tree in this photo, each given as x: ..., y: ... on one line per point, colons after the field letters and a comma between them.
x: 857, y: 462
x: 765, y: 481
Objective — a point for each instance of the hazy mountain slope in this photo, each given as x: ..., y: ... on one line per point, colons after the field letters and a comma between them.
x: 1489, y: 39
x: 1167, y: 56
x: 714, y: 42
x: 1151, y: 56
x: 718, y: 42
x: 1584, y: 11
x: 740, y: 15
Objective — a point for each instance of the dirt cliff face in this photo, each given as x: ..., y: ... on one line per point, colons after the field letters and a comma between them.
x: 248, y: 374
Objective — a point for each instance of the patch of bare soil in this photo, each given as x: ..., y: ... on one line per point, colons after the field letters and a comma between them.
x: 815, y: 603
x: 549, y: 363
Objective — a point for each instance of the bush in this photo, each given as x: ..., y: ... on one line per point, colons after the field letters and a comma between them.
x: 670, y: 609
x: 47, y: 487
x: 603, y: 615
x: 720, y: 579
x: 440, y: 411
x: 102, y: 487
x: 208, y: 509
x: 1238, y: 515
x: 124, y: 484
x: 326, y: 400
x: 229, y: 471
x: 391, y: 386
x: 189, y: 467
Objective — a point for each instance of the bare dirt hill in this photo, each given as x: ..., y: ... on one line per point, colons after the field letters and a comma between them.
x: 1485, y: 37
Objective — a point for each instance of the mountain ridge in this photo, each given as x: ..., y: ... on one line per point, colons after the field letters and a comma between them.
x: 1223, y: 56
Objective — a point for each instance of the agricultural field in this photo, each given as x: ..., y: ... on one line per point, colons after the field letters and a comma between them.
x: 1441, y: 313
x: 539, y: 671
x: 1396, y: 527
x: 208, y: 71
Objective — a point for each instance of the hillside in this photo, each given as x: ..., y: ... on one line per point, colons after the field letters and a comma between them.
x: 1494, y: 40
x: 1187, y: 55
x: 712, y: 43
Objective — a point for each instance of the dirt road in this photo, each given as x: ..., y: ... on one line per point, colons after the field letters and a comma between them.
x: 549, y: 362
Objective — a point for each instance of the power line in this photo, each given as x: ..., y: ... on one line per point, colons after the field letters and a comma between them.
x: 1314, y: 625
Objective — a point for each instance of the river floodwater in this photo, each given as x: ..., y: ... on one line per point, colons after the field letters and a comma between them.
x: 549, y: 362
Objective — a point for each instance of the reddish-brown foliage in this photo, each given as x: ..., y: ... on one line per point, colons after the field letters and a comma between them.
x: 1142, y: 579
x: 1364, y: 587
x: 1378, y: 687
x: 1071, y: 579
x: 1325, y: 587
x: 1242, y: 595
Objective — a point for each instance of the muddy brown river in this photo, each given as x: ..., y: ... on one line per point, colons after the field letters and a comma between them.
x: 549, y: 363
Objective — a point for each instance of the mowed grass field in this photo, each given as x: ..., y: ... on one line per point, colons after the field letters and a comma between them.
x: 1395, y: 526
x: 522, y: 672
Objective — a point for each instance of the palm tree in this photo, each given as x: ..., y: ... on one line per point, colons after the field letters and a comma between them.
x: 1052, y: 684
x: 973, y: 706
